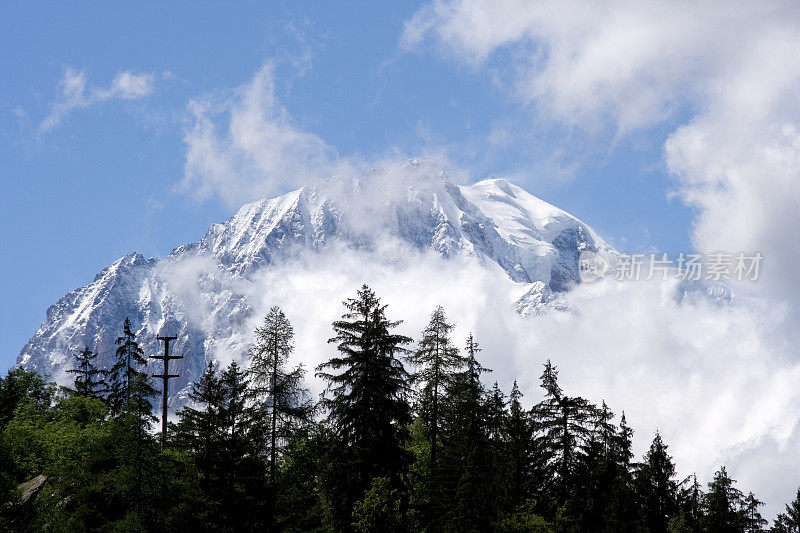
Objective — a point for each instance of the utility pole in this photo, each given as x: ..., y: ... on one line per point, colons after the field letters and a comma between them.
x: 165, y: 380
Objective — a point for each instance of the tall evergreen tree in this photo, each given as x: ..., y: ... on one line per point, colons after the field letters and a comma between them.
x: 598, y: 502
x: 130, y: 389
x: 622, y: 514
x: 466, y: 450
x: 128, y: 386
x: 89, y: 380
x: 727, y: 509
x: 495, y: 406
x: 657, y: 488
x: 690, y: 497
x: 367, y: 398
x: 223, y: 432
x: 521, y: 455
x: 564, y: 429
x: 436, y: 360
x: 753, y: 521
x: 285, y: 403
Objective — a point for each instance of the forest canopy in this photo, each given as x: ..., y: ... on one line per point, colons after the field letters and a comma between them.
x: 407, y: 436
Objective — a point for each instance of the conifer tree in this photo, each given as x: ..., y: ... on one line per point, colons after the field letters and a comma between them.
x: 622, y: 512
x: 521, y: 454
x: 279, y: 390
x: 657, y: 487
x: 130, y: 389
x: 223, y: 432
x: 367, y: 398
x: 89, y: 380
x: 753, y: 521
x: 436, y: 360
x: 597, y: 502
x: 496, y: 414
x: 726, y: 508
x: 466, y: 448
x: 789, y: 521
x: 690, y: 498
x: 564, y: 429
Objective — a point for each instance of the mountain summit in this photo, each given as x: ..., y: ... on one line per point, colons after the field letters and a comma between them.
x: 500, y: 224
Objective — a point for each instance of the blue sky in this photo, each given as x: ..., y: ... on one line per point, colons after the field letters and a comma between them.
x: 101, y: 179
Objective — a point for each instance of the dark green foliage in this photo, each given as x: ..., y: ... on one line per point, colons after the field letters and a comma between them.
x: 522, y: 458
x: 380, y: 509
x: 657, y: 488
x: 366, y: 402
x: 524, y: 520
x: 564, y: 427
x: 20, y: 385
x: 89, y: 380
x: 727, y: 509
x: 436, y: 360
x: 466, y: 456
x: 247, y: 454
x: 301, y: 502
x: 130, y: 389
x: 226, y: 438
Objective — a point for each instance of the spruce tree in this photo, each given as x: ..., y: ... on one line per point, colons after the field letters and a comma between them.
x: 366, y: 399
x: 89, y: 380
x: 622, y: 511
x: 690, y: 504
x: 466, y: 450
x: 564, y: 429
x: 279, y: 390
x: 521, y: 454
x: 223, y: 432
x: 753, y: 521
x: 594, y: 503
x: 130, y: 389
x: 496, y: 414
x: 726, y: 508
x: 657, y: 488
x: 436, y: 360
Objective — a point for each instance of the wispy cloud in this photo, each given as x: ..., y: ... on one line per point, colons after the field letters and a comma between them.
x: 245, y: 145
x: 76, y: 94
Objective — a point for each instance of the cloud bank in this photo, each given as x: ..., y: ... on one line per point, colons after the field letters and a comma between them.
x: 713, y: 378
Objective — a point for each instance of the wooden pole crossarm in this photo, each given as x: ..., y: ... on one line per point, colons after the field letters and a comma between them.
x: 165, y: 377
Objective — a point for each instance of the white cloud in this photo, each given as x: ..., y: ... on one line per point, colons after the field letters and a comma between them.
x: 584, y: 62
x: 247, y: 146
x: 734, y: 68
x: 714, y: 380
x: 75, y: 94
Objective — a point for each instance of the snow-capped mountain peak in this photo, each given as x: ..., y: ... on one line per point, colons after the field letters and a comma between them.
x: 501, y: 224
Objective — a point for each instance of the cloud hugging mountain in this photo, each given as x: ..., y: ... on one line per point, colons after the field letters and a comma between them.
x: 212, y: 293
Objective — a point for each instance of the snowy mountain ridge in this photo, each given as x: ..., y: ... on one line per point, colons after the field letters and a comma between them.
x: 194, y: 293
